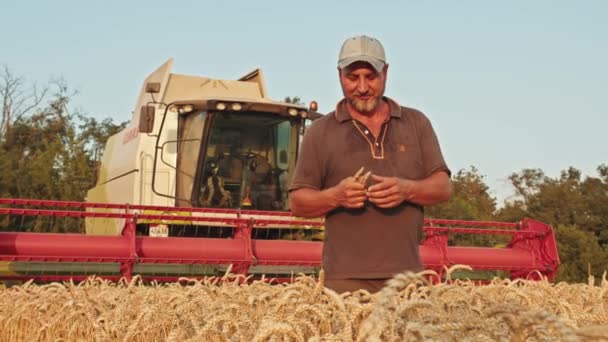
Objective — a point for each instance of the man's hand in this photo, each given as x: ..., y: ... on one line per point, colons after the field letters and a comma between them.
x: 349, y: 193
x: 389, y: 192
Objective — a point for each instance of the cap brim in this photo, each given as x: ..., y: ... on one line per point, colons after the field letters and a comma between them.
x: 376, y: 63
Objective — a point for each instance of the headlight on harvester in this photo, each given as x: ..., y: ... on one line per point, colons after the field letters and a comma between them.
x: 236, y: 106
x: 181, y: 109
x: 292, y: 111
x: 220, y: 106
x: 186, y: 108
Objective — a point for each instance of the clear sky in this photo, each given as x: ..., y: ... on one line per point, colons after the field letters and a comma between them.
x: 507, y: 84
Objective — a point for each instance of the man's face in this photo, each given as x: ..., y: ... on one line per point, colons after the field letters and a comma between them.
x: 363, y: 86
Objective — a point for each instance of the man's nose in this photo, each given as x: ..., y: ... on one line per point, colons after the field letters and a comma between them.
x: 362, y: 86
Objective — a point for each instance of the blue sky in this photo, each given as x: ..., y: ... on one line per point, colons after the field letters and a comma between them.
x: 507, y: 84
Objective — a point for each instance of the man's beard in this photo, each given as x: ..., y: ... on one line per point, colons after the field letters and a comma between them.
x: 365, y: 106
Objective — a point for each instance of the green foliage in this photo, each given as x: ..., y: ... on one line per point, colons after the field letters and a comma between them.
x: 566, y: 200
x: 51, y: 154
x: 512, y: 212
x: 470, y: 198
x: 577, y: 207
x: 580, y: 254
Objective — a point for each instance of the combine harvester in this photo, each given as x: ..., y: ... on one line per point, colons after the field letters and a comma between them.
x: 198, y: 182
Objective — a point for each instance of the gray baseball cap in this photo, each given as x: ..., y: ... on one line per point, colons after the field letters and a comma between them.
x: 362, y: 48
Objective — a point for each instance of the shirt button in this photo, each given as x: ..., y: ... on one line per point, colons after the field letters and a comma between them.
x: 366, y: 132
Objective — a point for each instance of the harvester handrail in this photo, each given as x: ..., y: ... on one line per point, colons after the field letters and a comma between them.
x: 271, y: 217
x: 467, y: 230
x: 432, y: 222
x: 168, y: 218
x: 74, y: 204
x: 234, y: 221
x: 438, y: 225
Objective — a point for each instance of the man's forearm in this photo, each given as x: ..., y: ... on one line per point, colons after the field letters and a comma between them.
x: 434, y: 189
x: 307, y: 202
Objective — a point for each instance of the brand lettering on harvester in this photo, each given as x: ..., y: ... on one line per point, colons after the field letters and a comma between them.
x: 402, y: 148
x: 130, y: 135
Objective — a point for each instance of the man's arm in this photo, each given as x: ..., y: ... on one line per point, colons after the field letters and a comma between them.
x: 307, y: 202
x: 389, y: 192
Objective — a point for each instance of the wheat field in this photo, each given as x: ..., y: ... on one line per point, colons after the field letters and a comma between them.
x: 409, y: 308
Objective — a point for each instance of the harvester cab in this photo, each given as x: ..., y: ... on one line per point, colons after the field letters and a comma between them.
x: 200, y: 142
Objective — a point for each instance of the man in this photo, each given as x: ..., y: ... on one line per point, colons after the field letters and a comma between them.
x: 372, y: 228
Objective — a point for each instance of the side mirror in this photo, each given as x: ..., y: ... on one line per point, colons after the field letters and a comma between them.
x: 153, y: 87
x: 146, y: 119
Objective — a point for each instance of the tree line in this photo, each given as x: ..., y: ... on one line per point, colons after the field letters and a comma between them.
x: 47, y: 149
x: 50, y: 151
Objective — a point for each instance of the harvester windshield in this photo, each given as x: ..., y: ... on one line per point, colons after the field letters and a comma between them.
x: 236, y: 159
